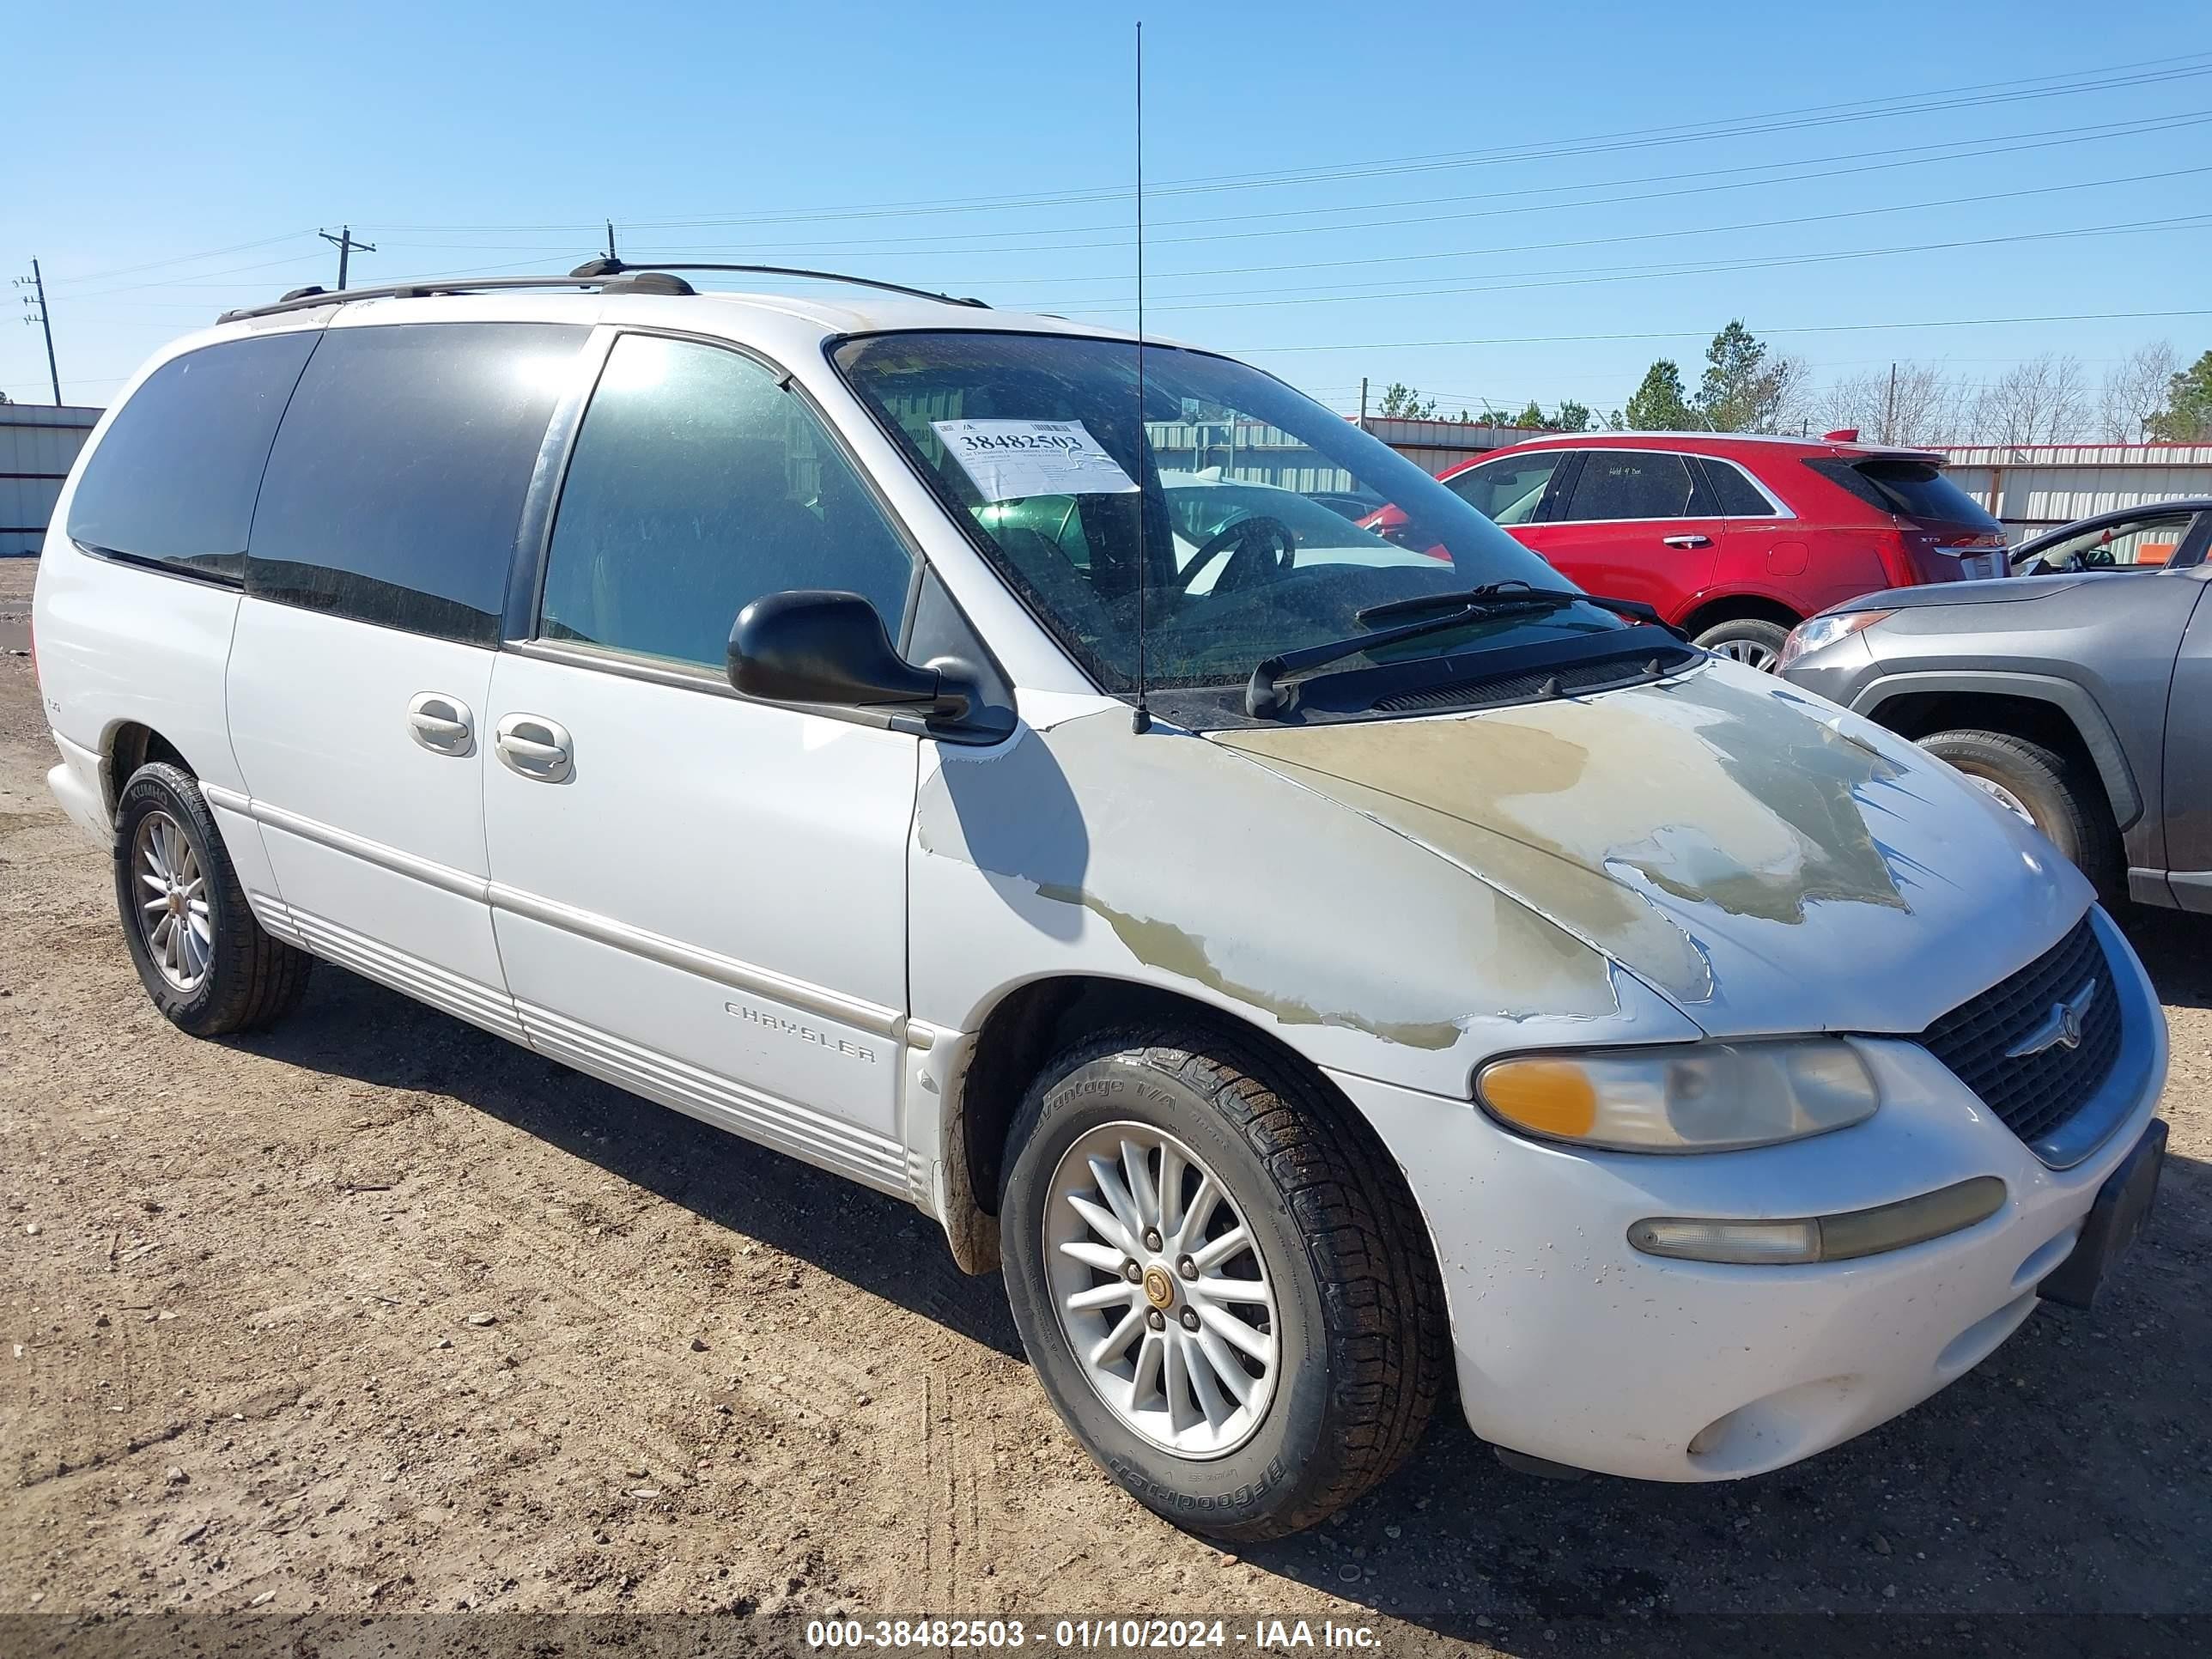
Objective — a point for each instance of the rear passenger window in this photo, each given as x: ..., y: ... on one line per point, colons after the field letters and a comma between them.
x: 1736, y: 496
x: 396, y: 485
x: 173, y: 479
x: 699, y: 484
x: 1637, y: 483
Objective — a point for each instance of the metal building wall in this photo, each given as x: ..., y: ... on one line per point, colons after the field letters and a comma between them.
x: 38, y: 444
x: 2032, y: 488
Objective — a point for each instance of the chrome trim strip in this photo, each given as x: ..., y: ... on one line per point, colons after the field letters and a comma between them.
x: 856, y: 1011
x: 772, y: 1121
x: 2137, y: 1072
x: 864, y: 1016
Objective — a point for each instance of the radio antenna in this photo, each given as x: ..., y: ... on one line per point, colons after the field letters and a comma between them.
x: 1141, y: 720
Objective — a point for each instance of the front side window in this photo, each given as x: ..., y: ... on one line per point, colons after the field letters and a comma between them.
x: 1637, y: 483
x: 698, y: 484
x: 1511, y: 489
x: 2130, y: 545
x: 174, y: 477
x: 1036, y: 443
x: 395, y: 488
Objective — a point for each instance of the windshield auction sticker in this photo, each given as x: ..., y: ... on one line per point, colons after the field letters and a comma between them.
x: 1011, y: 461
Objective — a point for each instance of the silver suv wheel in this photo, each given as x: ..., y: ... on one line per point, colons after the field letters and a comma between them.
x: 1160, y: 1290
x: 173, y: 915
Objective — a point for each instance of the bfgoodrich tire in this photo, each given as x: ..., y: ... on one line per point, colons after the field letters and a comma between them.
x: 2053, y: 791
x: 200, y: 954
x: 1289, y: 1340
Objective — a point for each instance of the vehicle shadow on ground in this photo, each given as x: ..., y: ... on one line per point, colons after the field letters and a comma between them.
x: 2066, y: 1475
x: 354, y: 1029
x: 2176, y: 948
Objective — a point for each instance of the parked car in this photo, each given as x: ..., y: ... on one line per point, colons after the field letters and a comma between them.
x: 2079, y: 699
x: 1372, y: 968
x: 2148, y: 537
x: 1734, y: 537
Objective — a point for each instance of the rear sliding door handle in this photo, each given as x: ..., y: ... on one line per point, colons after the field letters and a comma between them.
x: 533, y: 747
x: 1686, y: 541
x: 441, y: 724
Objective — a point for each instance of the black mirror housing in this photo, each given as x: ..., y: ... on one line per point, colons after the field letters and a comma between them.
x: 815, y: 646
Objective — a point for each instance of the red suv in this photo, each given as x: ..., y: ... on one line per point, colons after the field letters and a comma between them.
x: 1735, y: 538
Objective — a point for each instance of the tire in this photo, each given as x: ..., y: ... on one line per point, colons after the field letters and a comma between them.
x: 1754, y: 643
x: 1357, y: 1322
x: 227, y: 976
x: 2055, y: 792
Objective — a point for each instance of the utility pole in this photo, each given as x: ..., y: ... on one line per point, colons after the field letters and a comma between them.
x: 1363, y: 402
x: 36, y: 300
x: 344, y: 243
x: 611, y: 254
x: 1889, y: 408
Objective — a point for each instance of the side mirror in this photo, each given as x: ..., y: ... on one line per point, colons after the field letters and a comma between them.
x: 813, y: 646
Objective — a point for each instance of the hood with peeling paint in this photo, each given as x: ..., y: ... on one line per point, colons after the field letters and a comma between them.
x: 1764, y: 861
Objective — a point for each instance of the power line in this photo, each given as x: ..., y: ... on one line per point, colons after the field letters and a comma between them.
x: 177, y: 259
x: 344, y: 243
x: 2110, y: 77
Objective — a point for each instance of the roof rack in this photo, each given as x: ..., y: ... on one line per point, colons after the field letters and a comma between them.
x: 302, y: 298
x: 607, y: 266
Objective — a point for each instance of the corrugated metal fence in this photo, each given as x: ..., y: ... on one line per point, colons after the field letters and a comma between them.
x: 37, y: 442
x: 2032, y: 488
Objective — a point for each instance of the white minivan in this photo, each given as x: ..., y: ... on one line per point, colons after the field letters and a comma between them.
x: 987, y: 760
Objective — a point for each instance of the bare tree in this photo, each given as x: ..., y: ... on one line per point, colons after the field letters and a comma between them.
x: 2045, y: 400
x: 1919, y: 405
x: 2134, y: 392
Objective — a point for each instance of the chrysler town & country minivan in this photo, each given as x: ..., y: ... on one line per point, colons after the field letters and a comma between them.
x: 1316, y: 972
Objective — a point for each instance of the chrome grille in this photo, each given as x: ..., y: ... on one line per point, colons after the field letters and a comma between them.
x: 2034, y: 1094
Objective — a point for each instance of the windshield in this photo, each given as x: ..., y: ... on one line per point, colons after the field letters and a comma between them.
x: 1251, y: 543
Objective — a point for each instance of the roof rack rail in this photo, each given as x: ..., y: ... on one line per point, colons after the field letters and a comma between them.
x: 302, y: 298
x: 607, y: 266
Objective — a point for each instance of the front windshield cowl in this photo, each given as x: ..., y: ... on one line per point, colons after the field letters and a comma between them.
x: 1250, y: 502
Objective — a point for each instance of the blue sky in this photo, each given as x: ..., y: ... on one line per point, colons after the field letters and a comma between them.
x: 1512, y: 182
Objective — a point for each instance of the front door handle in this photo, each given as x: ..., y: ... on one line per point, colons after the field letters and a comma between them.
x: 441, y: 724
x: 533, y: 747
x: 1686, y: 541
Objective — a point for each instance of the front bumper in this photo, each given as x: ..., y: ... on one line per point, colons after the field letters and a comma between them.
x: 1573, y: 1346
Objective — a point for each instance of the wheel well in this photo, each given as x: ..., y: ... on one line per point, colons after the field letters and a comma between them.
x: 1917, y: 714
x: 130, y: 747
x: 1739, y: 607
x: 1036, y: 1021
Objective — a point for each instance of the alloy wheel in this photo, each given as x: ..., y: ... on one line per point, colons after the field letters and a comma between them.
x: 173, y: 915
x: 1160, y: 1290
x: 1750, y: 653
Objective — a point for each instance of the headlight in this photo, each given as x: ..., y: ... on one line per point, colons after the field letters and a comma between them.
x: 1686, y: 1097
x: 1817, y: 632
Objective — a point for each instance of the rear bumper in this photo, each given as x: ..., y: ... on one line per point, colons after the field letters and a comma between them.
x: 76, y: 786
x: 1573, y: 1345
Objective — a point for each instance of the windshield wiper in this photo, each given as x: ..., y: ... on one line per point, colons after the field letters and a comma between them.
x: 1513, y: 591
x: 1265, y: 697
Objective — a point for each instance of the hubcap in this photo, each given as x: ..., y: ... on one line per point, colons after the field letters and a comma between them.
x: 1750, y: 653
x: 2002, y: 796
x: 173, y: 918
x: 1188, y: 1360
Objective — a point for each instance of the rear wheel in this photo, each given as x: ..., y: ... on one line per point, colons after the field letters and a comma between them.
x: 201, y: 956
x: 2051, y: 790
x: 1223, y: 1285
x: 1754, y: 643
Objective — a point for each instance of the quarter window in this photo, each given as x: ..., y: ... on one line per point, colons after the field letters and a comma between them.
x: 396, y: 486
x: 1735, y: 494
x: 174, y: 477
x: 1638, y: 483
x: 699, y: 484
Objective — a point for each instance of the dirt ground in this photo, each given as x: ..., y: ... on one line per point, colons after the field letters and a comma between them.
x: 378, y: 1313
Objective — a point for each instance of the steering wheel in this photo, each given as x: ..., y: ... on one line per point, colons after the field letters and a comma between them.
x: 1265, y: 549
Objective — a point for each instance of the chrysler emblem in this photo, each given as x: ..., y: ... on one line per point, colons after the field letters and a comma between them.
x: 2061, y: 1027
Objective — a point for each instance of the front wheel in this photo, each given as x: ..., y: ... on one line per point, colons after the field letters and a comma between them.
x: 1222, y: 1282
